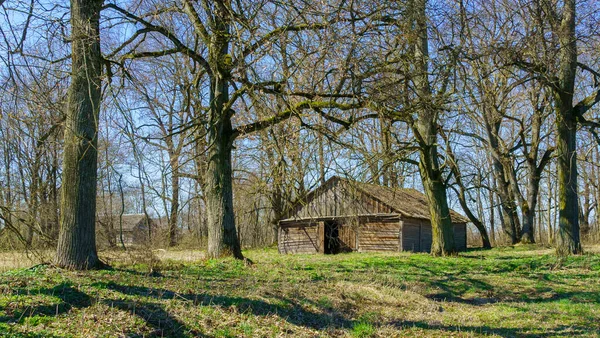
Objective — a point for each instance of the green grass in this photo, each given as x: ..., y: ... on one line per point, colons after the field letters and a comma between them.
x: 509, y: 292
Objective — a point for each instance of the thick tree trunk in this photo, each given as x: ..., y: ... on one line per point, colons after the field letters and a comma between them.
x: 222, y: 234
x: 77, y: 238
x: 435, y: 190
x: 426, y: 131
x: 568, y: 238
x: 527, y: 235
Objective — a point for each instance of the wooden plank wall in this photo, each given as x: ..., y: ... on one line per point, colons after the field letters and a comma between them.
x: 414, y: 230
x: 299, y: 239
x: 339, y: 199
x: 347, y: 237
x: 426, y: 236
x: 460, y: 236
x: 379, y: 236
x: 411, y: 235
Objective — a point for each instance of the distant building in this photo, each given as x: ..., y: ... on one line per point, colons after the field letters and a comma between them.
x: 134, y: 228
x: 344, y: 215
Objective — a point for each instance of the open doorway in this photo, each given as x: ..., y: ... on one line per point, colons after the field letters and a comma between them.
x: 332, y: 241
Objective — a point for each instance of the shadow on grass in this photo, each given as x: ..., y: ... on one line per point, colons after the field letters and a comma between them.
x: 562, y: 330
x: 454, y: 287
x: 161, y: 321
x: 450, y: 282
x: 69, y: 296
x: 294, y: 313
x: 289, y: 309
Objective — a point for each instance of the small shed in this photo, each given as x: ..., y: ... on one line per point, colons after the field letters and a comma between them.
x: 136, y: 228
x: 344, y: 215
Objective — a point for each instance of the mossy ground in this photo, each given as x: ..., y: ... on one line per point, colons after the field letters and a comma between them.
x: 523, y: 291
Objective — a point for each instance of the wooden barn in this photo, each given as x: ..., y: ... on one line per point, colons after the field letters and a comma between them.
x: 134, y: 226
x: 343, y: 215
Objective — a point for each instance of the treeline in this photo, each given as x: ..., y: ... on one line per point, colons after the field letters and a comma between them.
x: 220, y: 115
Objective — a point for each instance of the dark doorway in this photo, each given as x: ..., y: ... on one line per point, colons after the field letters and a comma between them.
x: 332, y: 240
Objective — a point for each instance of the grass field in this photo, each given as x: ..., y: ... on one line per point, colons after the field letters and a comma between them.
x: 510, y: 292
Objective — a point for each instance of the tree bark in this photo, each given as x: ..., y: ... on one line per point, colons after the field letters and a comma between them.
x: 435, y: 190
x: 492, y: 217
x: 426, y: 131
x: 174, y: 214
x: 222, y: 234
x: 77, y: 239
x: 528, y: 232
x: 510, y: 218
x: 568, y: 237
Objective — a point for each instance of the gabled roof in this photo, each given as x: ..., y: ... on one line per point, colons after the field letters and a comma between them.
x: 406, y: 202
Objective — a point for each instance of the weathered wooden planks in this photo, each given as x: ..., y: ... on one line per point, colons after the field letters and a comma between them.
x: 460, y: 236
x: 364, y: 218
x: 303, y: 239
x: 347, y: 238
x: 338, y: 198
x: 411, y: 236
x: 379, y: 236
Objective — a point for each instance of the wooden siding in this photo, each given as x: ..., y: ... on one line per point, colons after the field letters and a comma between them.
x: 339, y: 199
x: 460, y: 236
x: 347, y: 237
x: 366, y: 235
x: 414, y: 230
x: 426, y: 236
x: 379, y: 236
x: 411, y: 236
x: 301, y: 239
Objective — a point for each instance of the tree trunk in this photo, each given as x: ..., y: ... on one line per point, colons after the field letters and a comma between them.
x: 174, y: 215
x: 222, y: 234
x: 510, y: 218
x: 435, y: 190
x: 550, y: 218
x: 426, y: 131
x: 492, y: 213
x: 534, y: 173
x: 568, y: 237
x: 77, y: 238
x: 528, y: 210
x: 485, y: 239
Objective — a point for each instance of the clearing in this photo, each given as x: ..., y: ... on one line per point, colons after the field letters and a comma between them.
x: 522, y: 291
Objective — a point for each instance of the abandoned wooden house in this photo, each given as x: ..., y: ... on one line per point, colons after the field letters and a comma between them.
x: 136, y: 229
x: 343, y: 215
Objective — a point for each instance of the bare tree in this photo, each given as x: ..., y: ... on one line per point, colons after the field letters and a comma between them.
x: 77, y: 237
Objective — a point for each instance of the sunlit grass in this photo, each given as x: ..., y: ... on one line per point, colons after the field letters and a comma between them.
x: 521, y: 291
